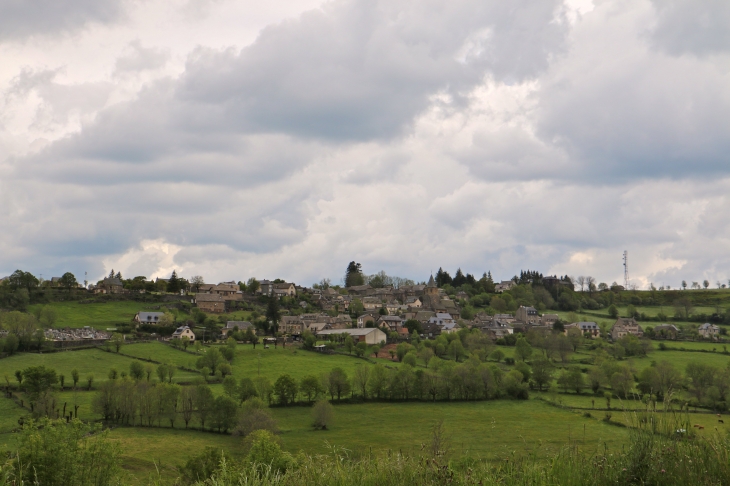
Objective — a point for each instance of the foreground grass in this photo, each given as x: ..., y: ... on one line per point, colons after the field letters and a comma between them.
x: 99, y: 315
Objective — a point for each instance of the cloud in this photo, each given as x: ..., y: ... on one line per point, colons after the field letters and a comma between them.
x: 403, y: 135
x: 362, y: 70
x: 623, y: 110
x: 20, y: 19
x: 698, y: 27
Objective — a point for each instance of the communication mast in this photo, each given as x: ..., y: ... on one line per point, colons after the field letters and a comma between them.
x: 626, y: 270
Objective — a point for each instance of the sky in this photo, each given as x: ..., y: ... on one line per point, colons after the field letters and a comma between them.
x: 284, y: 139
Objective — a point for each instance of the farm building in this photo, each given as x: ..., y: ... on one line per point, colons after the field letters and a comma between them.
x: 371, y: 335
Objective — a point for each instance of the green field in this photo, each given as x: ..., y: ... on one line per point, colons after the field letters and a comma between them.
x: 99, y: 315
x: 485, y: 429
x: 87, y: 361
x: 272, y: 362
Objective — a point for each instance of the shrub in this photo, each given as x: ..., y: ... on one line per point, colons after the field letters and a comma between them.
x: 323, y: 414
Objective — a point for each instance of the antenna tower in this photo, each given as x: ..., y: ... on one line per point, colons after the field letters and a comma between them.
x: 626, y: 270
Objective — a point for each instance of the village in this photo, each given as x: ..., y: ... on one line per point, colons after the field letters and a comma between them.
x: 377, y: 315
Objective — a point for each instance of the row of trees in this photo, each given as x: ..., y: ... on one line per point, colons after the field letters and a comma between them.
x: 138, y: 402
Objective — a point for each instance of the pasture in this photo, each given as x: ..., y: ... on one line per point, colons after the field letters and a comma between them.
x: 250, y: 362
x: 98, y: 315
x: 88, y: 362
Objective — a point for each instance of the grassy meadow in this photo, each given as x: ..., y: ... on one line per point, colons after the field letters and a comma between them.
x: 93, y: 361
x: 99, y: 315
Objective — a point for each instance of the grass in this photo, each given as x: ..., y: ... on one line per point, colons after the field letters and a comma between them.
x: 149, y: 450
x: 99, y: 315
x: 482, y: 429
x: 102, y: 315
x: 87, y: 361
x: 680, y: 359
x: 272, y: 362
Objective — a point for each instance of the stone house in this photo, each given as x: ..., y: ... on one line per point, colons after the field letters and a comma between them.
x: 210, y: 303
x: 624, y: 326
x: 527, y: 315
x: 392, y: 322
x: 285, y: 289
x: 708, y: 330
x: 586, y: 328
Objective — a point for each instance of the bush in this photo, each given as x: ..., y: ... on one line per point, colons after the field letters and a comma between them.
x: 264, y: 452
x: 323, y: 414
x: 202, y: 467
x: 509, y: 361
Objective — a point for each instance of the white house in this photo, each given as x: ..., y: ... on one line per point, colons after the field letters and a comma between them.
x: 183, y: 331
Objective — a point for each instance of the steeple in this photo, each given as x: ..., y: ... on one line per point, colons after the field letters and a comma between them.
x: 431, y: 282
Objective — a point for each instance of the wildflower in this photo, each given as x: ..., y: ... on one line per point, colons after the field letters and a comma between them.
x: 663, y: 471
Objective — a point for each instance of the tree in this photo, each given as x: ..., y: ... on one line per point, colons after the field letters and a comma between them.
x: 498, y: 304
x: 349, y: 344
x: 684, y: 307
x: 246, y: 389
x: 225, y: 369
x: 204, y: 403
x: 48, y: 316
x: 195, y: 282
x: 116, y: 341
x: 285, y: 388
x: 456, y: 350
x: 360, y: 380
x: 173, y: 284
x: 353, y: 275
x: 211, y: 359
x: 542, y: 372
x: 523, y: 350
x: 612, y: 311
x: 89, y: 381
x: 497, y: 355
x: 263, y: 388
x: 596, y: 378
x: 162, y: 372
x: 230, y: 386
x: 413, y: 325
x: 622, y: 382
x: 699, y: 377
x: 68, y: 281
x: 310, y: 387
x: 136, y: 370
x: 75, y: 376
x: 410, y: 359
x: 571, y: 379
x: 322, y: 414
x: 253, y: 285
x: 38, y: 380
x: 337, y: 383
x: 684, y: 284
x: 56, y: 453
x: 273, y: 315
x: 225, y: 411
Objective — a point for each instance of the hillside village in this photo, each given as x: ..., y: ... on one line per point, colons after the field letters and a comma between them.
x: 387, y: 311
